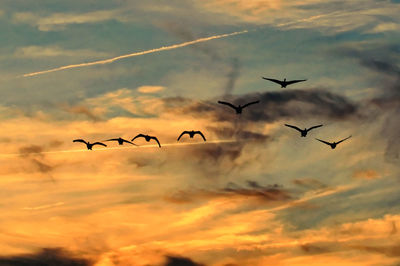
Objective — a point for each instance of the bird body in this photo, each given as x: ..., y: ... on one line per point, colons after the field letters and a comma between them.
x: 303, y: 131
x: 121, y: 141
x: 333, y: 144
x: 191, y: 134
x: 238, y: 108
x: 283, y: 82
x: 88, y: 144
x: 147, y: 138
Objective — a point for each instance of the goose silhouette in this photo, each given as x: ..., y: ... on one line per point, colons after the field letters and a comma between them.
x: 285, y: 83
x: 191, y: 134
x: 238, y: 108
x: 88, y: 144
x: 147, y: 138
x: 333, y: 144
x: 303, y: 131
x: 121, y: 141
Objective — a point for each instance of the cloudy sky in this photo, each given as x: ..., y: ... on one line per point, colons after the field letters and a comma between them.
x: 255, y: 193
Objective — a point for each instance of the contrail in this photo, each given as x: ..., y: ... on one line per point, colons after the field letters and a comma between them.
x: 126, y: 147
x: 163, y: 48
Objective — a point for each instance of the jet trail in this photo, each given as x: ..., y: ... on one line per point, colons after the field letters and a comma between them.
x: 163, y: 48
x: 126, y: 147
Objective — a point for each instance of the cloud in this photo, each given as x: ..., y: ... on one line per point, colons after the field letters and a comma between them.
x: 81, y: 110
x: 59, y: 21
x: 180, y: 261
x: 367, y: 174
x: 45, y: 257
x: 54, y: 51
x: 269, y: 193
x: 150, y: 89
x: 33, y: 154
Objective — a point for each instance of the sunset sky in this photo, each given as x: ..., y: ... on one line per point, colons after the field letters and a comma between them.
x: 255, y: 193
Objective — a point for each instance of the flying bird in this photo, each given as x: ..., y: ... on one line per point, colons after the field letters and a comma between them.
x: 147, y: 138
x: 333, y: 144
x: 284, y: 83
x: 191, y: 134
x: 238, y: 108
x: 121, y: 141
x: 88, y: 144
x: 303, y: 131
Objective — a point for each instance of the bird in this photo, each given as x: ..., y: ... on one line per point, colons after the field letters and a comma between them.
x: 284, y: 83
x: 121, y: 141
x: 88, y: 144
x: 238, y: 108
x: 303, y: 131
x: 191, y: 134
x: 147, y: 138
x: 333, y: 144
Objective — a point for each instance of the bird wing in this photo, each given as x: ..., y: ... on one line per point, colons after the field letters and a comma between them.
x: 156, y: 140
x: 138, y: 136
x: 79, y: 140
x: 293, y: 127
x: 323, y: 141
x: 183, y: 133
x: 343, y: 139
x: 247, y: 104
x: 229, y: 104
x: 127, y: 141
x: 99, y: 143
x: 201, y: 134
x: 111, y: 140
x: 274, y: 80
x: 295, y: 81
x: 314, y: 127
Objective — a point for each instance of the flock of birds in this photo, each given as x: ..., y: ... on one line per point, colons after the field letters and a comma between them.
x: 238, y: 109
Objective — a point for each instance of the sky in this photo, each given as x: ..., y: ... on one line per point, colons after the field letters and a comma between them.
x: 255, y: 193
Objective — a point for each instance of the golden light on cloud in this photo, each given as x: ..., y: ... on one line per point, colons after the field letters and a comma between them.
x: 367, y: 174
x: 150, y: 89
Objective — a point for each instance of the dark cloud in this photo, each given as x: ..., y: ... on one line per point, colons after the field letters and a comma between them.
x: 45, y: 257
x: 313, y: 103
x: 180, y: 261
x: 81, y: 110
x: 252, y: 189
x: 230, y: 65
x: 381, y: 61
x: 388, y: 250
x: 33, y: 154
x: 309, y: 183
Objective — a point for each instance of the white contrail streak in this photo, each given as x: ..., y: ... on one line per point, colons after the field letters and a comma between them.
x: 126, y: 147
x: 110, y: 60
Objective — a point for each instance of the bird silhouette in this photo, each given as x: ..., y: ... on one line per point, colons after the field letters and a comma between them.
x: 121, y: 141
x: 333, y: 144
x: 191, y: 134
x: 303, y: 131
x: 88, y: 144
x: 238, y: 108
x: 284, y: 83
x: 147, y: 138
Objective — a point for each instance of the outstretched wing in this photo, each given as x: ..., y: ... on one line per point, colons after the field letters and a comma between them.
x: 314, y: 127
x: 247, y: 104
x: 99, y: 143
x: 229, y: 104
x: 201, y: 134
x: 183, y: 133
x: 79, y: 140
x: 295, y: 81
x: 127, y: 141
x: 156, y: 140
x: 112, y: 140
x: 138, y: 136
x: 274, y: 80
x: 293, y: 127
x: 343, y: 139
x: 323, y: 141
